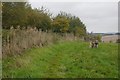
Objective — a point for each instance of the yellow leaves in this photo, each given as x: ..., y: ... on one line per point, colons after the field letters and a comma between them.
x: 61, y: 23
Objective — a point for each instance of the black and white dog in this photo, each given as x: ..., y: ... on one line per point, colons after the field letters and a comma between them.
x: 94, y: 44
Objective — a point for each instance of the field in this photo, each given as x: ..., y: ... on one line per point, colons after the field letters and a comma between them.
x: 64, y: 60
x: 110, y: 38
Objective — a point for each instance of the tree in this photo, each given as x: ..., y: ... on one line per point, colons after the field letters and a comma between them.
x: 21, y: 13
x: 80, y: 31
x: 13, y: 14
x: 40, y: 19
x: 60, y: 24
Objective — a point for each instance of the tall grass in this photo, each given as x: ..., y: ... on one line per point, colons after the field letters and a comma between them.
x: 15, y: 41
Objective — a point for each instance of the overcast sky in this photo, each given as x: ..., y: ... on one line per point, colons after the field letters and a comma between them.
x: 97, y: 16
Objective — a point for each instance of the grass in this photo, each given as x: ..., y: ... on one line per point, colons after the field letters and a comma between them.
x: 64, y: 60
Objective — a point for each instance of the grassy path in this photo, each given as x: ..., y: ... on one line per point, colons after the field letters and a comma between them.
x: 64, y: 60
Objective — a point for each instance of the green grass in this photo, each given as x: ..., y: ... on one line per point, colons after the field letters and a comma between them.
x: 64, y: 60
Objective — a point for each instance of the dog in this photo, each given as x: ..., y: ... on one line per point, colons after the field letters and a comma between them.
x: 91, y: 44
x: 94, y: 44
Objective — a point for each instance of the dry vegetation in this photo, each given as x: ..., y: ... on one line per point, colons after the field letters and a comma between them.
x: 16, y: 41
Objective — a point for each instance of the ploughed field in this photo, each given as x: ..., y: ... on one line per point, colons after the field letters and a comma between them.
x: 64, y: 60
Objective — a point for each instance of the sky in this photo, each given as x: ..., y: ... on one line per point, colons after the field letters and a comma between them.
x: 99, y: 17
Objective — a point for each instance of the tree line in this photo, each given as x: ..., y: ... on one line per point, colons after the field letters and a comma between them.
x: 21, y: 13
